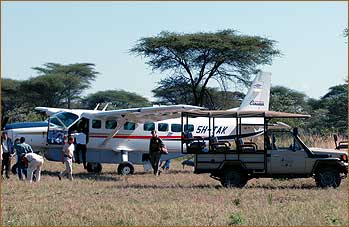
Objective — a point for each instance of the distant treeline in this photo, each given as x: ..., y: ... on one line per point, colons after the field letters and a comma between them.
x: 61, y: 86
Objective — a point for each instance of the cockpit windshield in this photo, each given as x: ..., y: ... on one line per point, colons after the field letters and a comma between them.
x: 67, y: 118
x: 63, y: 119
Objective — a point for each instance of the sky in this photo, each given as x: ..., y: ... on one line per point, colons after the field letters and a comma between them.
x: 309, y: 35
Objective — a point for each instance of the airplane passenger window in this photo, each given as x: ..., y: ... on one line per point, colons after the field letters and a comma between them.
x: 96, y: 123
x: 149, y: 126
x: 129, y: 126
x: 110, y: 124
x: 189, y: 128
x: 176, y: 127
x: 162, y: 127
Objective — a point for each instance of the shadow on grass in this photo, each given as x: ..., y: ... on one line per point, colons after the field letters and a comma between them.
x: 301, y: 186
x: 86, y: 176
x: 166, y: 172
x: 174, y: 186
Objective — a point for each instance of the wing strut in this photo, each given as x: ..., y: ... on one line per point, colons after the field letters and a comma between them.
x: 120, y: 123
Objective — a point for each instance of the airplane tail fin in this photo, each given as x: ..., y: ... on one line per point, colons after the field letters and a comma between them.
x: 257, y: 97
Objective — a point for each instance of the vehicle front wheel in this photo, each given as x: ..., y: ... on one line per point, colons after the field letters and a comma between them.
x: 125, y: 168
x: 328, y: 177
x: 234, y: 178
x: 93, y: 167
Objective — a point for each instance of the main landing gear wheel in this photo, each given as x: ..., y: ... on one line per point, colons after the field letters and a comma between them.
x: 93, y: 167
x: 125, y: 168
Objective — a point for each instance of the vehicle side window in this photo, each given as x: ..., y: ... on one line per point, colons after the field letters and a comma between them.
x: 162, y: 127
x: 176, y: 127
x: 149, y: 126
x: 129, y: 126
x: 110, y: 124
x: 189, y: 128
x: 96, y: 123
x: 284, y: 140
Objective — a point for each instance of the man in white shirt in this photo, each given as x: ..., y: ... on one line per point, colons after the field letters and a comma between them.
x: 34, y: 162
x: 80, y: 139
x: 68, y: 156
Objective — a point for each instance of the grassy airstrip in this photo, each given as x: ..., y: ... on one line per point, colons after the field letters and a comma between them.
x: 177, y: 197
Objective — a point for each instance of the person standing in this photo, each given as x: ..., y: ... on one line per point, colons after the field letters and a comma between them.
x: 7, y: 153
x: 80, y: 138
x: 22, y: 148
x: 68, y: 156
x: 33, y: 162
x: 155, y: 146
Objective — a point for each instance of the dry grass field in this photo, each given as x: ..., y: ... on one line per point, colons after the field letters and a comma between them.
x: 177, y: 197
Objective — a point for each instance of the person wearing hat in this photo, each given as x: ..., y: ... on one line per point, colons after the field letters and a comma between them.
x: 7, y: 153
x: 33, y: 162
x: 68, y: 158
x: 155, y: 146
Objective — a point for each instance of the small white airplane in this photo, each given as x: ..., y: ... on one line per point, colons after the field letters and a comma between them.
x: 122, y: 136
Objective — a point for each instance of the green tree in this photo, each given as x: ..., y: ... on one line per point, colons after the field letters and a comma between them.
x: 46, y: 90
x: 76, y: 78
x: 336, y: 103
x: 224, y: 56
x: 288, y: 100
x: 10, y: 98
x: 15, y: 104
x: 119, y: 99
x: 176, y: 91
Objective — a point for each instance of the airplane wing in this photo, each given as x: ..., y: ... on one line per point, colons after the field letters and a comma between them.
x: 141, y: 115
x: 48, y: 110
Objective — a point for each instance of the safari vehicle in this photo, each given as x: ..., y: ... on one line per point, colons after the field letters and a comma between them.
x: 277, y: 152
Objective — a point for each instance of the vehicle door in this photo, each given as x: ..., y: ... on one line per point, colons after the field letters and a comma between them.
x: 286, y: 156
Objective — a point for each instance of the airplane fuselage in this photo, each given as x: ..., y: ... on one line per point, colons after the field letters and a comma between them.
x: 132, y: 138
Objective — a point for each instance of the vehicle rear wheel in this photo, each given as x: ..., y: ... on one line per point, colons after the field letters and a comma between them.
x: 93, y: 167
x: 125, y: 168
x: 328, y: 177
x: 234, y: 178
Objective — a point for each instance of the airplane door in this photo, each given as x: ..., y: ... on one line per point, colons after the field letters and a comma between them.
x: 56, y: 131
x: 81, y: 125
x: 286, y: 158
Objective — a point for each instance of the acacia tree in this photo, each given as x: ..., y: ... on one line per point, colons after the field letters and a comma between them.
x: 224, y: 56
x: 176, y: 91
x: 75, y: 77
x: 119, y: 99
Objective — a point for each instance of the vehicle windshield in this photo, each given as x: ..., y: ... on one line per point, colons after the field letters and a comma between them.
x: 63, y: 119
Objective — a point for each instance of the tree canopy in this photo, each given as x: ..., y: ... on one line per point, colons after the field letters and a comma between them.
x: 197, y: 58
x: 176, y: 91
x: 119, y: 99
x: 75, y: 78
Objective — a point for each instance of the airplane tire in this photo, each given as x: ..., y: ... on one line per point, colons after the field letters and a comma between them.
x: 125, y: 168
x: 93, y: 167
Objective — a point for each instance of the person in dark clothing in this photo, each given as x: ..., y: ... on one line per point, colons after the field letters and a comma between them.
x: 22, y: 148
x: 155, y: 152
x: 80, y: 139
x: 7, y: 153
